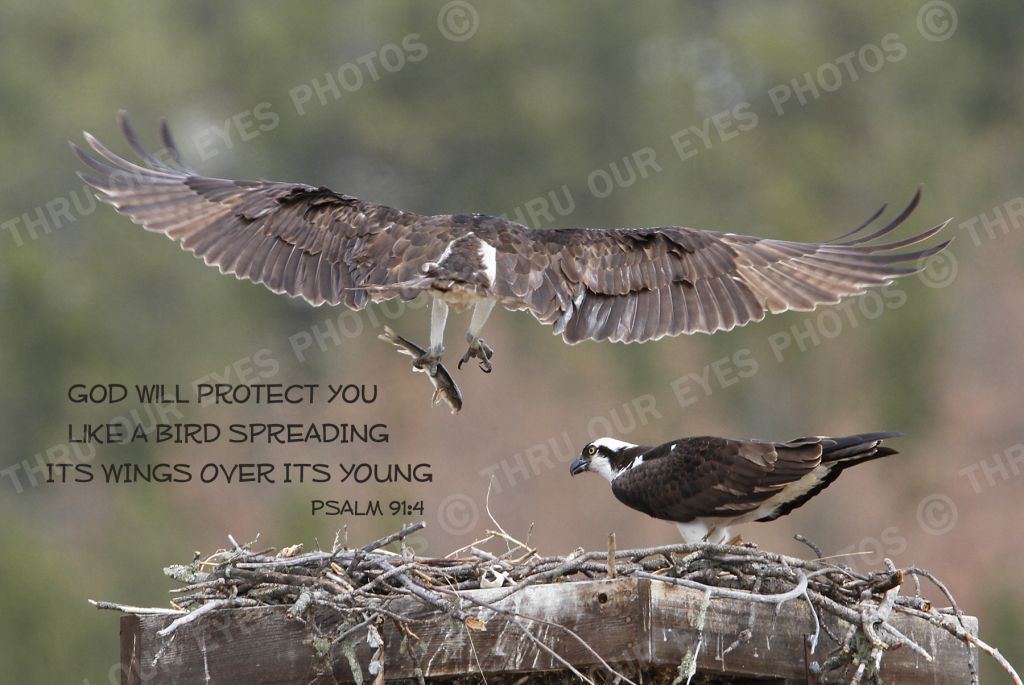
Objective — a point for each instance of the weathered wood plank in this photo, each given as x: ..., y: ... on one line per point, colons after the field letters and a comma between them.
x: 131, y: 644
x: 634, y: 622
x: 776, y: 647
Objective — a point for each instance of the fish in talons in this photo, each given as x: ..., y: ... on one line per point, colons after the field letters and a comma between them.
x: 444, y: 386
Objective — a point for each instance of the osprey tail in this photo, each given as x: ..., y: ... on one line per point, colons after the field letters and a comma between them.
x: 837, y: 454
x: 855, y: 449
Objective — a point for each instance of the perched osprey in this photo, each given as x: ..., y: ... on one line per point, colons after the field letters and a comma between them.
x: 627, y: 285
x: 704, y: 485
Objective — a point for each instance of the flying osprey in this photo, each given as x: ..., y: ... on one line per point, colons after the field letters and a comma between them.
x: 704, y: 485
x: 626, y: 285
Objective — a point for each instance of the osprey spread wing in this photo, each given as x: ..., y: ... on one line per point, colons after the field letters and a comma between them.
x: 706, y: 484
x: 626, y: 285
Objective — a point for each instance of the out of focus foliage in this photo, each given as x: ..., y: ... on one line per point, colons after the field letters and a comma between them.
x: 539, y: 99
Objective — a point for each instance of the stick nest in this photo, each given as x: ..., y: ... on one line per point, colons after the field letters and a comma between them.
x: 360, y: 584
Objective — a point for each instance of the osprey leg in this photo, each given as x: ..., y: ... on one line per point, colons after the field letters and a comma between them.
x: 477, y: 347
x: 432, y: 357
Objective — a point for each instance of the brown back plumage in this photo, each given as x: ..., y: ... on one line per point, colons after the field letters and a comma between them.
x: 722, y: 477
x: 708, y: 476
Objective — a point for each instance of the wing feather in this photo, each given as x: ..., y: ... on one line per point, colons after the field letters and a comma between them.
x: 311, y: 279
x: 627, y: 285
x: 709, y: 306
x: 600, y: 311
x: 695, y: 319
x: 255, y: 256
x: 678, y: 313
x: 278, y: 234
x: 647, y: 316
x: 293, y: 272
x: 706, y: 281
x: 664, y: 312
x: 709, y: 477
x: 270, y: 273
x: 726, y: 307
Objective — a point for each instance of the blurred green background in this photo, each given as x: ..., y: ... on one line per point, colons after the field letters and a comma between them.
x: 522, y: 110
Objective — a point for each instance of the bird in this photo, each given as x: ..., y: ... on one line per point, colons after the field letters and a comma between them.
x: 707, y: 484
x: 618, y: 284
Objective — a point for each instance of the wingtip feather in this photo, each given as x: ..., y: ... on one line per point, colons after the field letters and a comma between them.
x: 892, y: 224
x: 168, y: 141
x: 864, y: 225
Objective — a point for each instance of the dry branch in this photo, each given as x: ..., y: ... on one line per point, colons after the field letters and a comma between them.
x: 358, y: 585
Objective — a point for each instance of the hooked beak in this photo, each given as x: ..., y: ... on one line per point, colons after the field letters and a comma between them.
x: 579, y: 465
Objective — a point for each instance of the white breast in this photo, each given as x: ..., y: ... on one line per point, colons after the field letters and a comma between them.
x: 488, y: 255
x: 699, y: 529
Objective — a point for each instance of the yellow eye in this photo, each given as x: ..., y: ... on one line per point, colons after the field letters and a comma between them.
x: 591, y: 450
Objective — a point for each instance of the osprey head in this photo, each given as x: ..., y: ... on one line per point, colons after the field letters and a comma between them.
x: 604, y: 456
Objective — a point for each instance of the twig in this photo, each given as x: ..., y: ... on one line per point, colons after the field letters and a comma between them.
x: 512, y: 617
x: 487, y: 507
x: 402, y: 626
x: 205, y: 609
x: 994, y: 653
x: 128, y: 609
x: 748, y: 632
x: 872, y: 617
x: 801, y: 538
x: 508, y: 538
x: 371, y: 619
x: 964, y: 635
x: 391, y: 538
x: 611, y: 555
x: 801, y: 587
x: 415, y: 589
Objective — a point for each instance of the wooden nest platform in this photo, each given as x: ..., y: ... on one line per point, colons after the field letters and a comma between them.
x: 695, y: 613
